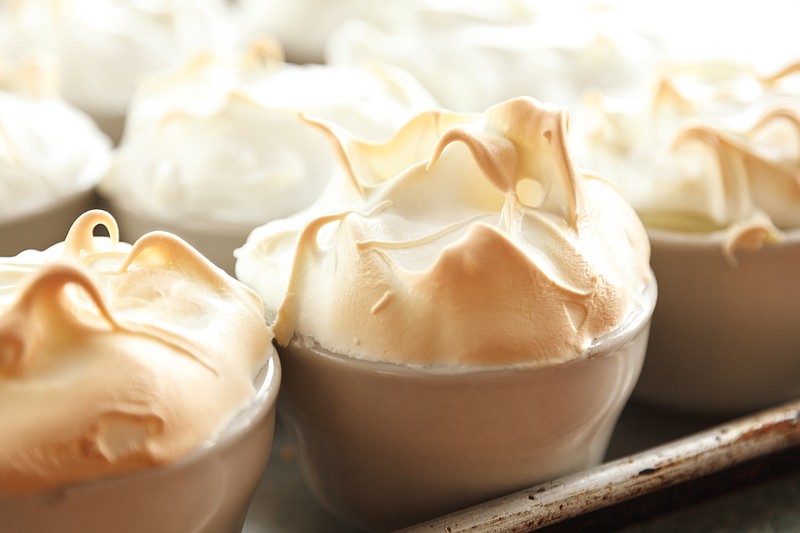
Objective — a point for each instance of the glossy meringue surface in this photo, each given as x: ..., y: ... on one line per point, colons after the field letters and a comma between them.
x: 117, y: 357
x: 714, y: 149
x: 466, y: 239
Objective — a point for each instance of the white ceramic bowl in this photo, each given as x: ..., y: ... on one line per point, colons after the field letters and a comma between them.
x: 216, y: 242
x: 43, y: 227
x: 725, y: 338
x: 208, y: 491
x: 384, y: 445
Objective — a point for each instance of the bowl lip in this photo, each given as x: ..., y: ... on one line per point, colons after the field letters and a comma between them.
x: 268, y: 382
x: 81, y: 194
x: 263, y: 401
x: 711, y: 239
x: 633, y: 325
x: 219, y: 228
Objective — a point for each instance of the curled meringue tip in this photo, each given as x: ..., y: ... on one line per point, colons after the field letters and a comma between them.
x: 541, y: 129
x: 791, y: 116
x: 751, y: 236
x: 161, y: 247
x: 449, y: 198
x: 54, y: 277
x: 173, y: 339
x: 80, y: 236
x: 788, y: 70
x: 339, y: 138
x: 43, y: 286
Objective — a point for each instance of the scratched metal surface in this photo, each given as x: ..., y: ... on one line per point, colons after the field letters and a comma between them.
x: 667, y: 457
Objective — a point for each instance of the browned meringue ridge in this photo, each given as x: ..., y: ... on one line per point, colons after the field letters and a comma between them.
x: 115, y: 358
x: 713, y: 149
x: 464, y: 239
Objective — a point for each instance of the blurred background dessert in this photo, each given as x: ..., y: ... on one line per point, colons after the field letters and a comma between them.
x: 474, y: 54
x: 302, y: 26
x: 711, y: 163
x: 104, y: 47
x: 215, y: 148
x: 52, y: 155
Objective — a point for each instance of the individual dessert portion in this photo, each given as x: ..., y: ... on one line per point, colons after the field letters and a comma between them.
x: 51, y: 157
x: 137, y: 383
x: 302, y: 26
x: 472, y: 54
x: 215, y: 148
x: 104, y: 47
x: 711, y: 164
x: 461, y: 314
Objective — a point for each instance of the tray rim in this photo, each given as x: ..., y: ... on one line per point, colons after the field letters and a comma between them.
x: 688, y: 458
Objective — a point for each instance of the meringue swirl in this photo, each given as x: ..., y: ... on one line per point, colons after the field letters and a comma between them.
x: 217, y: 141
x: 115, y: 358
x: 715, y: 150
x: 49, y: 149
x: 465, y: 239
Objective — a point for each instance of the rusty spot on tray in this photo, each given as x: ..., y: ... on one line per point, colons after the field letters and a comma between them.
x: 786, y: 425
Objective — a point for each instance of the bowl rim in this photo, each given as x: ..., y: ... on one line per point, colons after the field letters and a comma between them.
x: 219, y: 228
x: 263, y: 401
x: 61, y: 201
x: 714, y: 239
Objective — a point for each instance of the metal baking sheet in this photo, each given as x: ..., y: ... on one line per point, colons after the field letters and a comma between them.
x: 690, y: 458
x: 650, y: 452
